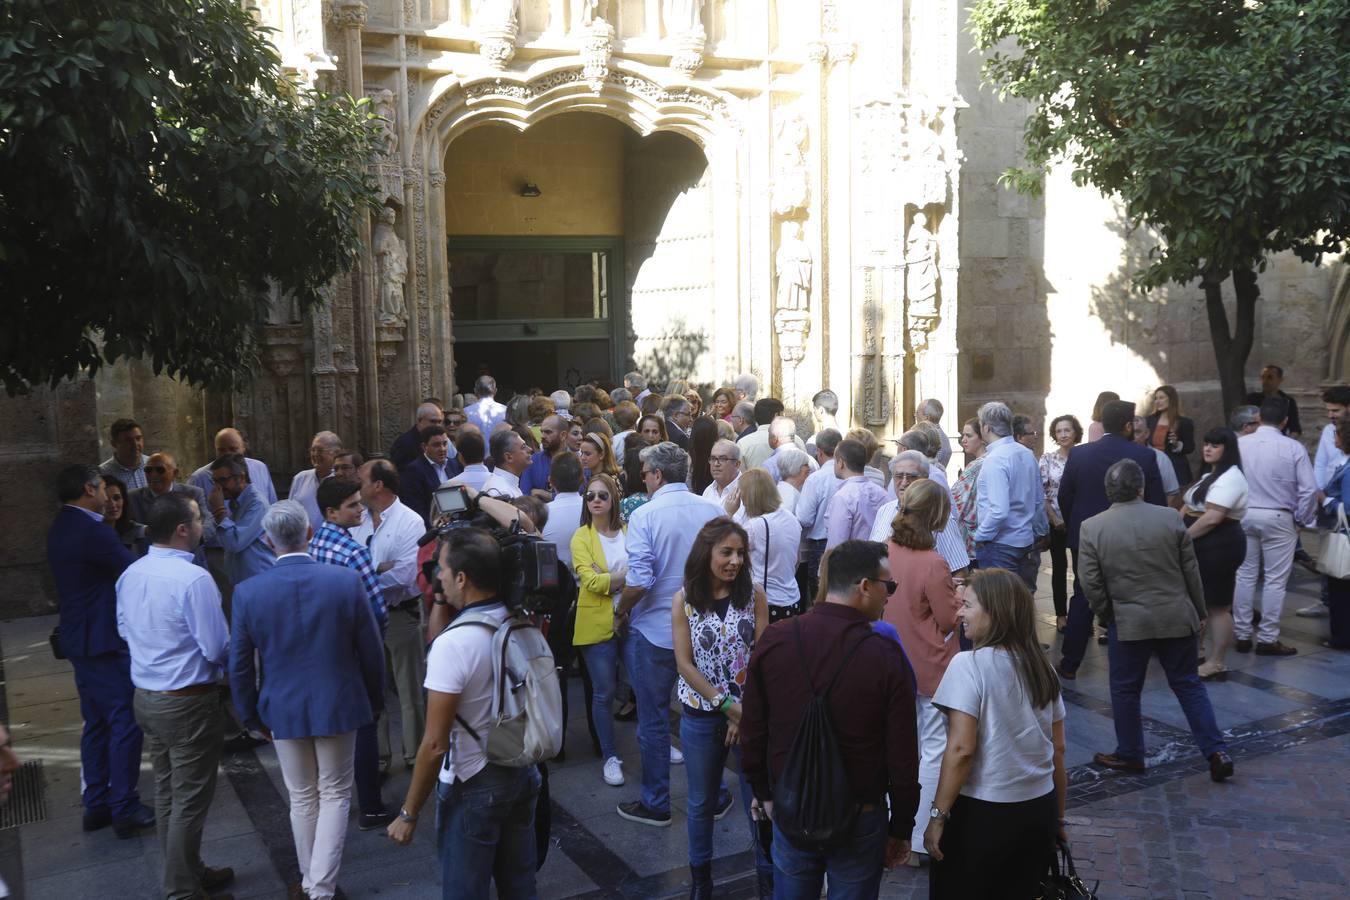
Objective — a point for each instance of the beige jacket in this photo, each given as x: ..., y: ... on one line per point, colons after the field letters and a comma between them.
x: 1137, y: 566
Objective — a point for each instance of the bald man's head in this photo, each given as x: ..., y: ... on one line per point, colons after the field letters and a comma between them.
x: 161, y: 471
x: 429, y: 414
x: 230, y: 440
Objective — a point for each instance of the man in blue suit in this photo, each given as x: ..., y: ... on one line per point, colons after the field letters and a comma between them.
x: 1082, y: 495
x: 432, y: 468
x: 87, y: 559
x: 323, y: 668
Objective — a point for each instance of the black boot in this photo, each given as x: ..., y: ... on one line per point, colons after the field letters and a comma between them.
x: 700, y: 882
x: 765, y: 880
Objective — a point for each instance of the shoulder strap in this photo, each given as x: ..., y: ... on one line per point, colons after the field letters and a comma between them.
x: 844, y: 662
x: 765, y: 582
x: 801, y: 654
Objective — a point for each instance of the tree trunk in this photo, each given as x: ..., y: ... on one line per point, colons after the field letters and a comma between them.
x: 1232, y: 346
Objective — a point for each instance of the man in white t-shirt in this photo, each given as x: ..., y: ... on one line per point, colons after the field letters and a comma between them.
x: 473, y: 796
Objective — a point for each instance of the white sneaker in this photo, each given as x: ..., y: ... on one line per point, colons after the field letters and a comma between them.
x: 676, y: 757
x: 1316, y: 611
x: 614, y: 771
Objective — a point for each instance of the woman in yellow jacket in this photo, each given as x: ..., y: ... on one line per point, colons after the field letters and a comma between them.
x: 600, y: 559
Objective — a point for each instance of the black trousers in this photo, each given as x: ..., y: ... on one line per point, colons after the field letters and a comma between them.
x: 998, y: 851
x: 1059, y: 569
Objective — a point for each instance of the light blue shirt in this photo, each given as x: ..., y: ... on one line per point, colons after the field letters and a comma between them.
x: 258, y: 475
x: 817, y: 491
x: 486, y: 414
x: 168, y: 612
x: 241, y: 534
x: 1010, y: 502
x: 1329, y: 457
x: 661, y: 533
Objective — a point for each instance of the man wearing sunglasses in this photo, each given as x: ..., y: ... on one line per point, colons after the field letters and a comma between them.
x: 161, y: 479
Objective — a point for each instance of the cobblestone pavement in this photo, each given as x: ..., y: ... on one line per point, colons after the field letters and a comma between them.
x: 1280, y: 828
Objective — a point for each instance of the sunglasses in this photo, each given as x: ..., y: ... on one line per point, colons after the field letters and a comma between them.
x: 156, y: 470
x: 890, y: 585
x: 596, y: 495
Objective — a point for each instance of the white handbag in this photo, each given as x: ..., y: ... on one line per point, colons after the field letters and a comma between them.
x: 1334, y: 560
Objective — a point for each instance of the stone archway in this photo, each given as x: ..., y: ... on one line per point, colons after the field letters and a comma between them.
x: 707, y: 118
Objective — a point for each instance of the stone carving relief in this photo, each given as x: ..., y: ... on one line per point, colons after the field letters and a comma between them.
x: 387, y: 167
x: 684, y: 29
x: 497, y: 23
x: 930, y: 155
x: 282, y: 308
x: 791, y: 187
x: 597, y: 44
x: 391, y: 270
x: 921, y: 282
x: 350, y: 13
x: 792, y: 294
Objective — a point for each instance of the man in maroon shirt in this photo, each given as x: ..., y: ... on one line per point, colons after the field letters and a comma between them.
x: 871, y: 709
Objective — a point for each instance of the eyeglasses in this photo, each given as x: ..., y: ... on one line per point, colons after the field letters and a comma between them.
x: 454, y: 423
x: 156, y: 470
x: 907, y: 476
x: 596, y: 495
x: 723, y: 459
x: 224, y: 480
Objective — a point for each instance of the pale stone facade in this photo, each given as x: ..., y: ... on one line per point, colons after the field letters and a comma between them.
x: 803, y: 189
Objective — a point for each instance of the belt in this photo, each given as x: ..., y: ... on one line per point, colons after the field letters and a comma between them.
x: 192, y: 690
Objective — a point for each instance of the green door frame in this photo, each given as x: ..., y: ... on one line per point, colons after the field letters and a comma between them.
x: 615, y: 331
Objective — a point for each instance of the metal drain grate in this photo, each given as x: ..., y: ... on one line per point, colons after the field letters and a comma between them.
x: 27, y: 798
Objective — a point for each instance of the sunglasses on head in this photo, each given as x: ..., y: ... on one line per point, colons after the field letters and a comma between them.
x: 157, y: 470
x: 596, y: 495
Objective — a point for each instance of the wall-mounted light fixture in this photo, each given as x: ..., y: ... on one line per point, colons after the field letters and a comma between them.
x: 530, y: 190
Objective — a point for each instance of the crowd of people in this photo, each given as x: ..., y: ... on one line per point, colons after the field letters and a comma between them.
x: 856, y: 626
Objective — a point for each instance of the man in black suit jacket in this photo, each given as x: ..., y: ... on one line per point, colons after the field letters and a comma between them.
x: 428, y: 471
x: 87, y: 558
x: 408, y: 445
x: 1082, y: 494
x: 679, y: 419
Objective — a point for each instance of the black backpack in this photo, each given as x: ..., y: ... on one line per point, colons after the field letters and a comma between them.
x: 813, y: 804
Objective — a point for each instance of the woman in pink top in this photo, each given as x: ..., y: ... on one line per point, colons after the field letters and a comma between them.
x: 923, y: 611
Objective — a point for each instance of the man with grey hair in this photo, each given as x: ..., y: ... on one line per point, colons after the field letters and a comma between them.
x: 305, y: 485
x: 746, y: 387
x: 679, y: 419
x: 725, y: 464
x: 637, y: 383
x: 1244, y: 420
x: 408, y: 445
x: 1138, y: 570
x: 742, y: 419
x: 931, y: 411
x: 782, y: 436
x: 791, y: 469
x: 661, y: 533
x: 318, y: 677
x: 562, y: 401
x: 1010, y: 505
x: 238, y: 509
x: 620, y: 395
x: 908, y: 467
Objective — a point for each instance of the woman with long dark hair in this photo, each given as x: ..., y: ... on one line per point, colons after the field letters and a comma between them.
x: 118, y: 515
x: 1171, y: 432
x: 1000, y: 798
x: 702, y: 436
x: 716, y: 618
x: 1213, y: 508
x: 634, y: 488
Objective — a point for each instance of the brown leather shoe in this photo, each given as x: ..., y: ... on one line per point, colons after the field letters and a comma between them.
x: 1064, y: 674
x: 1111, y: 761
x: 1275, y: 648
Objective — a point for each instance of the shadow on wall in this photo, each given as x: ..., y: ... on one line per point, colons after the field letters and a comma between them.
x: 675, y: 356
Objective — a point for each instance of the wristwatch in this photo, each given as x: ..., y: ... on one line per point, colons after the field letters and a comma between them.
x: 935, y: 813
x: 405, y: 815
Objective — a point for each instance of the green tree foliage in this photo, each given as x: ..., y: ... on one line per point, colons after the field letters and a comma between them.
x: 1222, y: 125
x: 156, y: 169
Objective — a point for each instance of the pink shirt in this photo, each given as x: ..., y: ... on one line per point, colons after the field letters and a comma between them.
x: 923, y: 610
x: 853, y: 509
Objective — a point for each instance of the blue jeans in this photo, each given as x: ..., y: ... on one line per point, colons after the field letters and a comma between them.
x: 1129, y: 665
x: 602, y: 662
x: 485, y: 833
x: 652, y: 669
x: 1078, y: 630
x: 705, y: 755
x: 1021, y: 561
x: 853, y: 867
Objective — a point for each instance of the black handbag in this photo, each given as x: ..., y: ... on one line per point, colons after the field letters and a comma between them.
x: 55, y: 640
x: 1062, y: 881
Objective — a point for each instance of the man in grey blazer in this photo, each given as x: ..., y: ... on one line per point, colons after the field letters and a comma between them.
x: 1138, y: 570
x: 161, y: 478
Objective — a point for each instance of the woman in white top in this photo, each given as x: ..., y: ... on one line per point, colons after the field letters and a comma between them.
x: 1000, y: 798
x: 775, y: 538
x: 1213, y: 508
x: 793, y: 468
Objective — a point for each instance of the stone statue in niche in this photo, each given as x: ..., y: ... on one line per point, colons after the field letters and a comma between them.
x: 386, y: 167
x: 921, y: 280
x: 391, y: 269
x: 790, y: 187
x: 597, y: 44
x: 927, y: 159
x: 793, y: 268
x: 589, y: 11
x: 684, y: 28
x: 682, y: 16
x: 282, y: 308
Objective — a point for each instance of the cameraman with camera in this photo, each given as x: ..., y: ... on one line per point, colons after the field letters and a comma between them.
x: 474, y: 796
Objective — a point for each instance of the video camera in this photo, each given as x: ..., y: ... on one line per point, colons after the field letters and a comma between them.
x: 529, y: 563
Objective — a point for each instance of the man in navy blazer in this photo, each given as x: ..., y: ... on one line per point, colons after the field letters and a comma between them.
x: 322, y: 665
x: 432, y: 468
x: 1082, y: 495
x: 87, y: 558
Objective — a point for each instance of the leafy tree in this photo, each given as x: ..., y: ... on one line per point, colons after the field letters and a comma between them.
x: 1223, y: 125
x: 156, y: 170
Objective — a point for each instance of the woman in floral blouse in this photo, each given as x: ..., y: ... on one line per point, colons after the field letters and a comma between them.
x: 963, y: 491
x: 1065, y: 431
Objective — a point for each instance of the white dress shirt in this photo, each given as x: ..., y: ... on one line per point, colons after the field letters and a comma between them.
x: 168, y: 612
x: 564, y: 518
x: 486, y: 414
x: 789, y: 495
x: 716, y: 495
x: 817, y: 491
x: 396, y: 540
x: 1279, y: 475
x: 505, y: 483
x: 305, y: 491
x: 475, y: 475
x: 619, y: 440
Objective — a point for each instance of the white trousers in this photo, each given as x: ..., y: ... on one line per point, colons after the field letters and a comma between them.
x: 1271, y: 538
x: 318, y: 776
x: 932, y: 744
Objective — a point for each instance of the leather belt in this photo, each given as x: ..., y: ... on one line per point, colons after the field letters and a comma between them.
x: 192, y: 690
